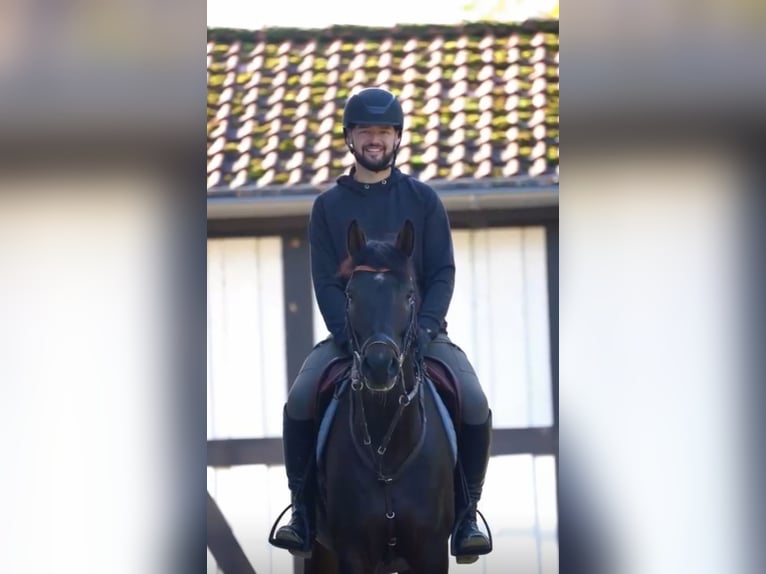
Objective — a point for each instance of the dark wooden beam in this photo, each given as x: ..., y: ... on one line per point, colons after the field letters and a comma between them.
x: 238, y: 452
x: 223, y: 544
x: 299, y: 313
x: 534, y: 441
x: 552, y: 267
x: 241, y: 451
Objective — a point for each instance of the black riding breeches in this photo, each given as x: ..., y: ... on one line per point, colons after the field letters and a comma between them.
x: 475, y: 409
x: 302, y: 394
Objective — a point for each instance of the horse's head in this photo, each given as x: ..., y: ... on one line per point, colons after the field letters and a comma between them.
x: 381, y: 304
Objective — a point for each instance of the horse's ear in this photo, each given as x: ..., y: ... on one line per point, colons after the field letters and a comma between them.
x: 405, y: 241
x: 355, y: 238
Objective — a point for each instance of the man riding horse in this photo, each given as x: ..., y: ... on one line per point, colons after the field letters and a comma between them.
x: 380, y: 197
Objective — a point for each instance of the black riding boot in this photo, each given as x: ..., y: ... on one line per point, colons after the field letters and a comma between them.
x: 298, y: 443
x: 474, y: 445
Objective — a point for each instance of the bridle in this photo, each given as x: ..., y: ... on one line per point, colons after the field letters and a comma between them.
x: 358, y: 381
x: 374, y: 456
x: 358, y: 350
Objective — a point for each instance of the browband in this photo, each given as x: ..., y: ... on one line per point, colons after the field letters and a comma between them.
x: 373, y: 269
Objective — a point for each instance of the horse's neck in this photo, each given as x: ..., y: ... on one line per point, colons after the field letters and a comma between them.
x: 386, y: 405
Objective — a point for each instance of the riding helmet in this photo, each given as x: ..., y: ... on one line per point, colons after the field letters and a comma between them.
x: 373, y: 107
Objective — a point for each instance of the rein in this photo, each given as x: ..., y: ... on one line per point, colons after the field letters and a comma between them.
x: 404, y: 401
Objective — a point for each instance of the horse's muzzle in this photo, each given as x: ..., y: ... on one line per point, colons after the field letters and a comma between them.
x: 380, y: 365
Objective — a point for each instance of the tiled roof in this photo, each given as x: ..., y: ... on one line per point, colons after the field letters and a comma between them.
x: 480, y: 101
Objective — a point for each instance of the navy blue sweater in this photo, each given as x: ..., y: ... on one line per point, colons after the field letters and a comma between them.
x: 381, y: 209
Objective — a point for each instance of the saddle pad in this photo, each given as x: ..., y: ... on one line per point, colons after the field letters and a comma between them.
x: 446, y: 420
x: 324, y: 427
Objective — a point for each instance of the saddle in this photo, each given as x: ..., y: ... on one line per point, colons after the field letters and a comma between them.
x: 436, y: 371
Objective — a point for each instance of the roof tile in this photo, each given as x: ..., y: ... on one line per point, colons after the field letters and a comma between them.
x: 481, y: 101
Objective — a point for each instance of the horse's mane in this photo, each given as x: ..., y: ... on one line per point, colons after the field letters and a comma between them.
x: 379, y: 254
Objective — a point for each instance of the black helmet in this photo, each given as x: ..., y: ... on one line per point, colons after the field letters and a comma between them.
x: 373, y: 107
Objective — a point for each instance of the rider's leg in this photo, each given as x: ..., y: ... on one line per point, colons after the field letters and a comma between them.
x: 298, y: 440
x: 473, y: 444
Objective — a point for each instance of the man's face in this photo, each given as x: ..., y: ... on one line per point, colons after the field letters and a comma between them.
x: 374, y: 145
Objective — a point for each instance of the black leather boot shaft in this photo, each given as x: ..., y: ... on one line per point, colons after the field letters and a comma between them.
x: 298, y: 439
x: 474, y: 448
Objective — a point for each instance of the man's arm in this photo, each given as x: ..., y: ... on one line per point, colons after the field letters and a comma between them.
x: 438, y: 267
x: 328, y: 287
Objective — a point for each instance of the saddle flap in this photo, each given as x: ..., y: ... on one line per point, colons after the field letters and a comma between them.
x: 333, y: 373
x: 446, y: 385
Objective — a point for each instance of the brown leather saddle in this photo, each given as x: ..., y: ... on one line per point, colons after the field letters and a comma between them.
x: 441, y: 375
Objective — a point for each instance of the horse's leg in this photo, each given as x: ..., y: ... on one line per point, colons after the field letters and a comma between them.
x: 322, y: 561
x: 351, y: 563
x: 431, y: 558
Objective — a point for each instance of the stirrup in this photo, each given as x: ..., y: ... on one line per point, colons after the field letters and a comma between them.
x: 304, y: 552
x: 474, y: 556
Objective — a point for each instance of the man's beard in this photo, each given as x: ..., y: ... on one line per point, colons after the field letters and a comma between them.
x: 384, y: 162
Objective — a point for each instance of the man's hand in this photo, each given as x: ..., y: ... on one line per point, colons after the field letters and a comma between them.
x: 343, y: 344
x: 425, y: 336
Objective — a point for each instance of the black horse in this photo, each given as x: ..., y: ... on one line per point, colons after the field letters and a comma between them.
x: 386, y: 486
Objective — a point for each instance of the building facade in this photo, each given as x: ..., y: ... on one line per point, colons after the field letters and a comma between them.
x: 265, y: 168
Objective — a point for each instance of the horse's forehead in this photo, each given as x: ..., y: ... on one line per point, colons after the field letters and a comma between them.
x: 375, y: 281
